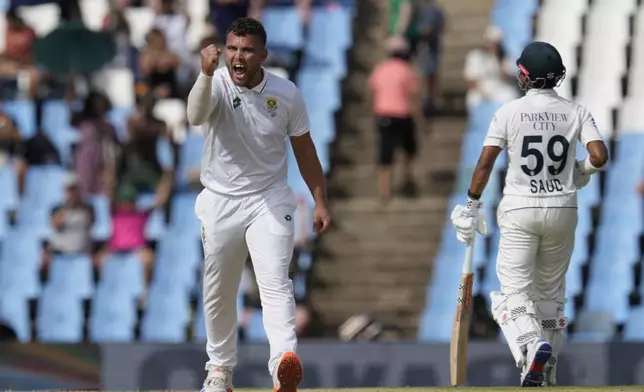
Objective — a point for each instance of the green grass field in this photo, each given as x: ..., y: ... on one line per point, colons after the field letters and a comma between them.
x: 450, y: 389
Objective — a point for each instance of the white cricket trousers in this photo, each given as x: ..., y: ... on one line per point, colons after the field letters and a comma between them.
x: 261, y: 224
x: 535, y: 249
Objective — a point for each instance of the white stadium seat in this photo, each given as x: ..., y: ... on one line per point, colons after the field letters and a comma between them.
x: 118, y: 85
x: 554, y: 24
x: 594, y: 83
x: 595, y: 54
x: 638, y: 32
x: 607, y: 23
x: 42, y: 18
x: 572, y: 7
x: 141, y: 21
x: 623, y: 5
x: 198, y: 12
x: 173, y: 112
x: 3, y: 32
x: 602, y: 113
x: 93, y: 13
x: 631, y: 116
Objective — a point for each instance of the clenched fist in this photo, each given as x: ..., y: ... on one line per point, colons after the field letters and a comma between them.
x: 209, y: 59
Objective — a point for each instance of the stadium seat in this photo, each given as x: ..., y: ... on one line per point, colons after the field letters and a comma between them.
x: 255, y: 328
x: 93, y: 13
x: 118, y: 83
x: 60, y: 317
x: 15, y: 312
x: 23, y: 114
x: 167, y: 315
x: 43, y: 18
x: 123, y: 272
x: 72, y: 274
x: 140, y: 20
x: 602, y: 114
x: 9, y: 185
x: 633, y: 331
x: 631, y: 116
x: 177, y: 260
x: 102, y: 227
x: 283, y: 27
x: 19, y: 264
x: 616, y: 244
x: 593, y: 327
x: 113, y: 316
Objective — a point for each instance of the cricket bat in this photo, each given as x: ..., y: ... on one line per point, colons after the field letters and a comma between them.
x: 461, y: 328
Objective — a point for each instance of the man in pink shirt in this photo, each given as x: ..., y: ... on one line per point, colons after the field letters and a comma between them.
x: 395, y: 87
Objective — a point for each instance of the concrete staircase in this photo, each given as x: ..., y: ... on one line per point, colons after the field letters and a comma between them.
x: 378, y: 259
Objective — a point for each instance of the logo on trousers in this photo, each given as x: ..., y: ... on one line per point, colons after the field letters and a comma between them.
x: 288, y: 218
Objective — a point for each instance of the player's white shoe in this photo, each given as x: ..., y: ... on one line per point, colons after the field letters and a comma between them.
x: 219, y: 379
x: 538, y: 355
x: 287, y: 375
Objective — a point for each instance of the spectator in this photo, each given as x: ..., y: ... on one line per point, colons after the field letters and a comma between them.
x: 174, y: 23
x: 72, y: 222
x: 403, y: 23
x: 17, y: 57
x: 147, y: 162
x: 224, y: 12
x: 36, y: 151
x: 95, y: 155
x: 431, y: 25
x: 116, y: 23
x: 11, y: 148
x: 395, y: 88
x: 128, y: 230
x: 158, y: 66
x: 489, y: 73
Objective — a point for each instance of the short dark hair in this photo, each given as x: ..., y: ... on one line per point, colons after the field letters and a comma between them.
x: 242, y: 27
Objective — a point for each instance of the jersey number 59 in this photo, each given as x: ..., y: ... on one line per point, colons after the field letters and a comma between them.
x: 533, y: 146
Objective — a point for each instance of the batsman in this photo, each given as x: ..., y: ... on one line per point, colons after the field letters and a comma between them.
x: 537, y: 215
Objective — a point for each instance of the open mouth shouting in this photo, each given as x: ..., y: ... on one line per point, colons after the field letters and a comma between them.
x: 239, y: 71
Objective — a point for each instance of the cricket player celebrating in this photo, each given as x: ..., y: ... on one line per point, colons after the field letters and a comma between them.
x: 246, y: 205
x: 537, y: 216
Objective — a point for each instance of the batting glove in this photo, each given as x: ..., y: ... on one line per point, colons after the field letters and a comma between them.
x: 468, y: 221
x: 580, y: 179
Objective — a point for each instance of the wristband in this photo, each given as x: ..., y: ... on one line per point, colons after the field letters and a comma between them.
x: 587, y: 167
x: 472, y: 195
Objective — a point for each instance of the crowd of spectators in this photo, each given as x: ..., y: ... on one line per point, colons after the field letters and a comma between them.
x: 104, y: 161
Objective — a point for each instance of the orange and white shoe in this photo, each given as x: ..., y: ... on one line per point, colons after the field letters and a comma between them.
x: 219, y: 379
x: 287, y: 375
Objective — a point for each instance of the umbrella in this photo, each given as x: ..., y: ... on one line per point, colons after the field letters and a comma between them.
x: 73, y: 48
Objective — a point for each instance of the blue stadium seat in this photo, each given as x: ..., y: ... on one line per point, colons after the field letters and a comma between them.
x: 580, y: 254
x: 183, y: 217
x: 436, y: 326
x: 24, y: 115
x: 118, y: 118
x: 283, y: 27
x: 9, y: 185
x: 166, y: 316
x: 102, y: 228
x: 629, y: 147
x: 619, y: 211
x: 60, y: 317
x: 56, y: 119
x: 320, y: 89
x: 123, y: 272
x: 199, y: 326
x: 616, y: 244
x: 155, y: 227
x: 113, y: 316
x: 20, y: 259
x: 72, y: 274
x: 585, y: 220
x: 589, y: 196
x: 189, y: 158
x: 177, y: 261
x: 609, y: 291
x: 14, y: 311
x: 255, y: 328
x: 574, y: 283
x: 591, y: 326
x: 633, y: 330
x: 334, y: 22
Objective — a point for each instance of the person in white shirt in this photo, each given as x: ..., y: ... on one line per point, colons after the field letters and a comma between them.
x: 246, y: 205
x: 488, y: 73
x: 537, y: 215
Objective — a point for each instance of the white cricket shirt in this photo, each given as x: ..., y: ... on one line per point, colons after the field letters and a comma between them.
x: 540, y: 132
x: 245, y: 140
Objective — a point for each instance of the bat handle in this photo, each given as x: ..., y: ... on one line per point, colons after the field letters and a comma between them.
x: 469, y: 255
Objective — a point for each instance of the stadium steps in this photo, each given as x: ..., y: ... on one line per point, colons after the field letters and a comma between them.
x: 466, y: 21
x: 378, y: 261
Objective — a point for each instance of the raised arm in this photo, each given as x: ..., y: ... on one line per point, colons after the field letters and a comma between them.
x: 200, y: 98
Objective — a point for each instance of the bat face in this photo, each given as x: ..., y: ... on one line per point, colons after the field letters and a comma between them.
x: 460, y: 331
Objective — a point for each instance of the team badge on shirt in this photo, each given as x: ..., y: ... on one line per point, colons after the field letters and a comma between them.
x: 271, y: 105
x: 236, y: 102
